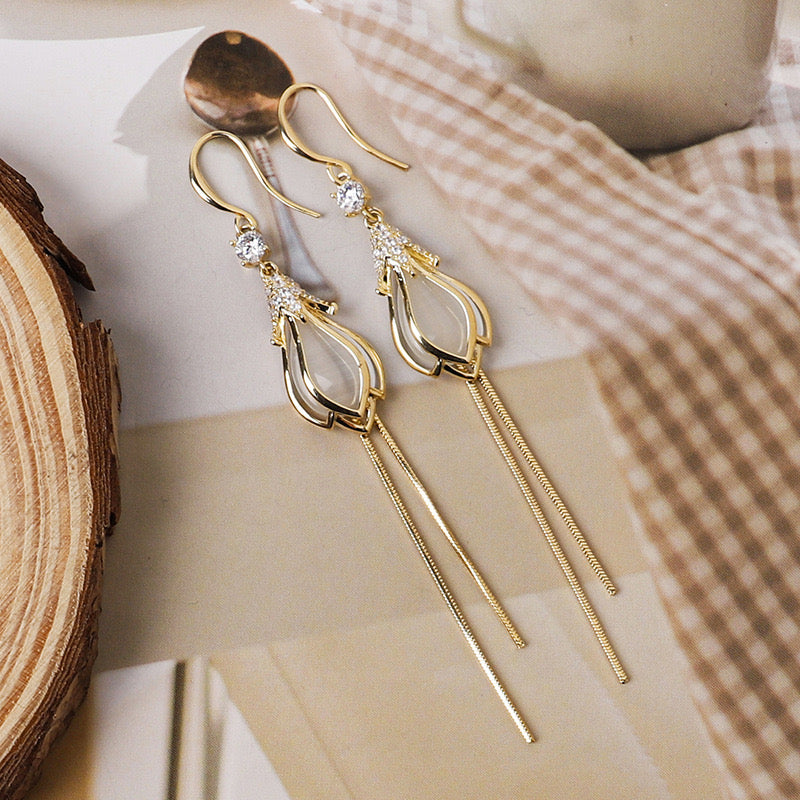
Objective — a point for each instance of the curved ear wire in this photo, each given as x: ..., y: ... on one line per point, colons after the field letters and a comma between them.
x: 292, y: 139
x: 201, y: 185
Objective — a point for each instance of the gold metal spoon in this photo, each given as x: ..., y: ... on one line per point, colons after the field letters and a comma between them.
x: 234, y: 83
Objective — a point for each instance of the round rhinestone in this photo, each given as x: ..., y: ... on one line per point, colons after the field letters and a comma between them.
x: 250, y: 247
x: 351, y: 197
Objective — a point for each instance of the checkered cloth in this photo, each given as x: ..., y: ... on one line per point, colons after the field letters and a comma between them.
x: 680, y: 278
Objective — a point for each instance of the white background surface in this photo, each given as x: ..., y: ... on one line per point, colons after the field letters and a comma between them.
x: 99, y: 126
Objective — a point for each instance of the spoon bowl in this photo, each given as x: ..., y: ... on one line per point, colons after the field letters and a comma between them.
x: 234, y: 83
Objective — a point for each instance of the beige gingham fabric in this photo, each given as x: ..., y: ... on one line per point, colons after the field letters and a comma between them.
x: 680, y: 278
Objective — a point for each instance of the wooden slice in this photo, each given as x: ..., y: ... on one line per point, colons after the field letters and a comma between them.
x: 59, y: 495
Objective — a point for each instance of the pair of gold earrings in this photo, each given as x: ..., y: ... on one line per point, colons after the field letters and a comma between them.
x: 334, y: 376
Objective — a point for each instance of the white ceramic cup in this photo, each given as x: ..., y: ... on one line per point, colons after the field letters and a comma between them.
x: 653, y: 74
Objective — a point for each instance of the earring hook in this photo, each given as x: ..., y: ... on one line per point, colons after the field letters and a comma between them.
x: 292, y: 139
x: 201, y: 185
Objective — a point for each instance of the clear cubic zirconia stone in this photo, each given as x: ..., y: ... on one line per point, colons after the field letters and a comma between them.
x: 351, y: 197
x: 250, y: 247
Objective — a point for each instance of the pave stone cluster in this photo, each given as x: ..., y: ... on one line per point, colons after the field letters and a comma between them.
x: 392, y: 248
x: 283, y: 294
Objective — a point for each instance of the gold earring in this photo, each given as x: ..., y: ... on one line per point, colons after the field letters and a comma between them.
x: 297, y: 319
x: 405, y: 271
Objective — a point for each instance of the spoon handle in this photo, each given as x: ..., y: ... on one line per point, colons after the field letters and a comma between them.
x: 296, y: 258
